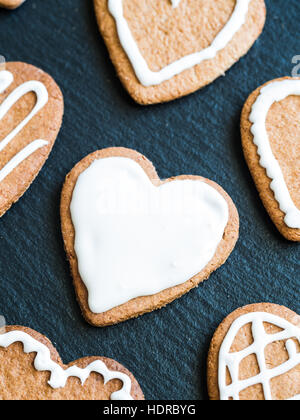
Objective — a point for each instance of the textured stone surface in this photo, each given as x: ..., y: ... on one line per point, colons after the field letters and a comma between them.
x: 165, y: 350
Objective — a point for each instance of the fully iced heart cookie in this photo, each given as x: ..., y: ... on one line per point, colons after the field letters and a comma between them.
x: 31, y: 110
x: 31, y: 369
x: 11, y: 4
x: 136, y: 243
x: 255, y: 355
x: 164, y: 49
x: 271, y: 142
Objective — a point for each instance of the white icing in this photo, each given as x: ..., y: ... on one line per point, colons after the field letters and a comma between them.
x: 19, y: 157
x: 260, y: 341
x: 274, y: 92
x: 139, y: 64
x: 135, y: 239
x: 6, y: 78
x: 59, y: 376
x: 42, y: 98
x: 175, y: 3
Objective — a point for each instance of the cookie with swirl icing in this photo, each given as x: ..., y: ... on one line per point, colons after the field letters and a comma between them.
x: 11, y: 4
x: 31, y: 369
x: 31, y: 111
x: 255, y: 355
x: 165, y: 49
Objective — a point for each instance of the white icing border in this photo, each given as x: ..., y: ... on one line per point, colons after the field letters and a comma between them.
x: 260, y: 340
x: 151, y: 78
x: 59, y: 376
x: 274, y: 92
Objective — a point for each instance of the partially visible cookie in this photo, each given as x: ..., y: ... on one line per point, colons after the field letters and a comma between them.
x: 135, y: 242
x: 165, y: 49
x: 255, y: 355
x: 31, y: 111
x: 271, y: 142
x: 31, y: 369
x: 11, y: 4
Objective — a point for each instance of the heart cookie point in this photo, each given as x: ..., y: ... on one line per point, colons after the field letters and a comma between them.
x: 11, y: 4
x: 268, y: 120
x: 31, y: 110
x: 254, y: 354
x: 39, y: 373
x: 172, y: 65
x: 136, y: 243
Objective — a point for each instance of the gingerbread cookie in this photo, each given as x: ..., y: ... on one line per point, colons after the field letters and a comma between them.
x: 11, y: 4
x: 255, y: 355
x: 31, y: 369
x: 136, y: 243
x: 31, y: 110
x: 271, y: 142
x: 165, y: 49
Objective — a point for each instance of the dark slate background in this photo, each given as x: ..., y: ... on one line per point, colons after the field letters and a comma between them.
x: 167, y: 349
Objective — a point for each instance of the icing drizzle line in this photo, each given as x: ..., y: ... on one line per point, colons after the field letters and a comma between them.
x: 139, y: 64
x: 274, y: 92
x: 260, y: 340
x: 59, y: 376
x: 6, y: 78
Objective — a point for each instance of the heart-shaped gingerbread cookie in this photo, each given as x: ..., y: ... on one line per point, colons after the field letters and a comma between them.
x: 11, y: 4
x: 136, y: 243
x: 31, y: 369
x: 271, y: 143
x: 164, y: 49
x: 31, y: 110
x: 255, y: 355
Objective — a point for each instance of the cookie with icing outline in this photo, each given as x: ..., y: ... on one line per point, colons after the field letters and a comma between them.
x: 29, y: 126
x: 263, y: 333
x: 284, y: 143
x: 11, y: 4
x: 185, y: 36
x: 141, y: 304
x: 35, y: 372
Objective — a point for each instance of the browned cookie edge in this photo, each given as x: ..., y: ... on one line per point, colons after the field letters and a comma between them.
x: 11, y: 4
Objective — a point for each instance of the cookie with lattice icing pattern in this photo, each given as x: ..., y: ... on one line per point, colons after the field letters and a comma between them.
x: 31, y: 369
x: 11, y: 4
x: 271, y: 143
x: 165, y: 49
x: 31, y: 111
x: 255, y: 355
